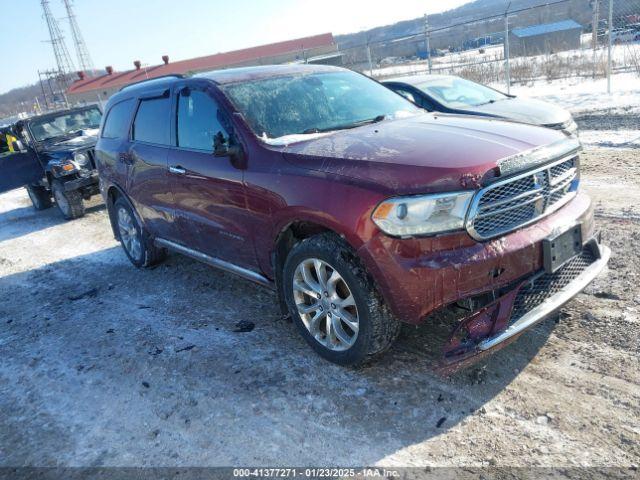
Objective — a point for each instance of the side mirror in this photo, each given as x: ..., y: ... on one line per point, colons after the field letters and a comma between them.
x: 222, y: 147
x: 18, y: 146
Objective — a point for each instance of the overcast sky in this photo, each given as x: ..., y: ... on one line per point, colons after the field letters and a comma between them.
x: 117, y: 32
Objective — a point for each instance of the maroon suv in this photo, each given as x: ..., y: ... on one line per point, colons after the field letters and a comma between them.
x: 359, y: 209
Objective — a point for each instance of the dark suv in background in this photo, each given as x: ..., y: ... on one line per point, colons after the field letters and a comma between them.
x: 360, y: 209
x: 451, y: 94
x: 52, y: 155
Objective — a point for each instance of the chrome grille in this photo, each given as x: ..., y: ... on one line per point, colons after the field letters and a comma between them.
x: 514, y: 202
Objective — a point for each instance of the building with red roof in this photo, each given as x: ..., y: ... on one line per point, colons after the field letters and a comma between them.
x: 316, y: 49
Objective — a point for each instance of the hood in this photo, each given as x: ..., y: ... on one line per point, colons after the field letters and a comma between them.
x: 420, y: 154
x: 525, y: 110
x: 86, y: 139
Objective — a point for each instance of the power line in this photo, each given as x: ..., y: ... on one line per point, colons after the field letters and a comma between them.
x: 63, y: 60
x: 84, y: 59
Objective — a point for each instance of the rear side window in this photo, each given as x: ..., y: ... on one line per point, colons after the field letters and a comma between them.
x: 198, y: 120
x: 117, y: 123
x: 152, y: 121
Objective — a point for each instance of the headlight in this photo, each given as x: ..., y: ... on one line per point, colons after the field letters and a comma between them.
x: 423, y: 215
x: 571, y: 128
x: 67, y: 167
x: 81, y: 159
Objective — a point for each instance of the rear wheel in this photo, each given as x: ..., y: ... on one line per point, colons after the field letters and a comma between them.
x: 69, y: 203
x: 40, y: 197
x: 137, y: 245
x: 334, y: 303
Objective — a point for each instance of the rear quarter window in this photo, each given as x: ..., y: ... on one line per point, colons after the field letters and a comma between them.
x: 116, y: 124
x: 151, y: 124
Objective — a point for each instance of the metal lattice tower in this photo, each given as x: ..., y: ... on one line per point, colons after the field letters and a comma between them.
x: 84, y: 59
x: 63, y: 60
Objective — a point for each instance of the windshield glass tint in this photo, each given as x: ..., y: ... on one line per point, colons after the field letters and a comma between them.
x: 280, y: 106
x: 460, y: 93
x: 65, y: 124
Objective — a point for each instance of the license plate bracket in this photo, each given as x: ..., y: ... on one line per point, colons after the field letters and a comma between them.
x: 558, y: 249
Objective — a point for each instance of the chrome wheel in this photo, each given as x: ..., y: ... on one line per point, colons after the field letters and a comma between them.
x: 325, y: 304
x: 129, y: 234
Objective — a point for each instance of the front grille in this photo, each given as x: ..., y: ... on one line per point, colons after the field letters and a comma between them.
x: 544, y: 285
x: 91, y: 153
x: 514, y: 202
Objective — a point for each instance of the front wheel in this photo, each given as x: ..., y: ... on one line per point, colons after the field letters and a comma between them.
x: 40, y: 197
x: 334, y: 303
x: 69, y: 203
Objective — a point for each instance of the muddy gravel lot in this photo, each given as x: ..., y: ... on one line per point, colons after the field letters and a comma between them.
x: 103, y: 365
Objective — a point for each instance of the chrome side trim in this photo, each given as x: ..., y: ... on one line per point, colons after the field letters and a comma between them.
x: 540, y: 312
x: 216, y: 262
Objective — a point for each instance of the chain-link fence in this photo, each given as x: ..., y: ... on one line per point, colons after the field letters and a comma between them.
x: 519, y: 44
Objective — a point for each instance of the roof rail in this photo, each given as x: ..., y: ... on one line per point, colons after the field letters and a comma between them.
x: 171, y: 75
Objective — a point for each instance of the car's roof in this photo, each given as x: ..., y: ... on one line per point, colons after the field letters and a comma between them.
x: 416, y: 79
x: 222, y: 77
x: 243, y: 74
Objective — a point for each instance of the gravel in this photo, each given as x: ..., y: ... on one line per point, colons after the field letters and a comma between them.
x: 182, y: 365
x: 609, y: 119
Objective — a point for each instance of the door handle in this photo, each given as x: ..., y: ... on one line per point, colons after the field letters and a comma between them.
x: 177, y: 169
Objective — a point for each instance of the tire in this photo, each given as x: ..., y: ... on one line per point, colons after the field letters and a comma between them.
x: 377, y: 328
x: 40, y: 197
x: 136, y: 243
x: 69, y: 203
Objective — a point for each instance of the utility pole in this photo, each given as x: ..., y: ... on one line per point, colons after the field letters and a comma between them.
x: 609, y: 47
x: 84, y: 59
x: 44, y: 93
x: 594, y: 34
x: 507, y: 68
x: 63, y: 60
x: 427, y: 40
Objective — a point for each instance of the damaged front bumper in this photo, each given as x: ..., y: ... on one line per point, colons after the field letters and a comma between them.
x: 89, y: 181
x: 518, y: 308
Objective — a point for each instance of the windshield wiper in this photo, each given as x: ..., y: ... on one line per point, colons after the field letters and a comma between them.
x: 55, y: 138
x: 493, y: 100
x: 346, y: 126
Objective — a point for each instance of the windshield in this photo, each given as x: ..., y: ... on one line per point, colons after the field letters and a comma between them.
x: 456, y: 92
x: 65, y: 124
x: 313, y: 103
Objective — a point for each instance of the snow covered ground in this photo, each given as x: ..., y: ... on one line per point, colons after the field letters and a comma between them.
x: 582, y: 95
x: 610, y: 138
x: 605, y: 120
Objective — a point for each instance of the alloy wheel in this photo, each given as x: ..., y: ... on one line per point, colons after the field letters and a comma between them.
x: 129, y: 234
x: 325, y: 304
